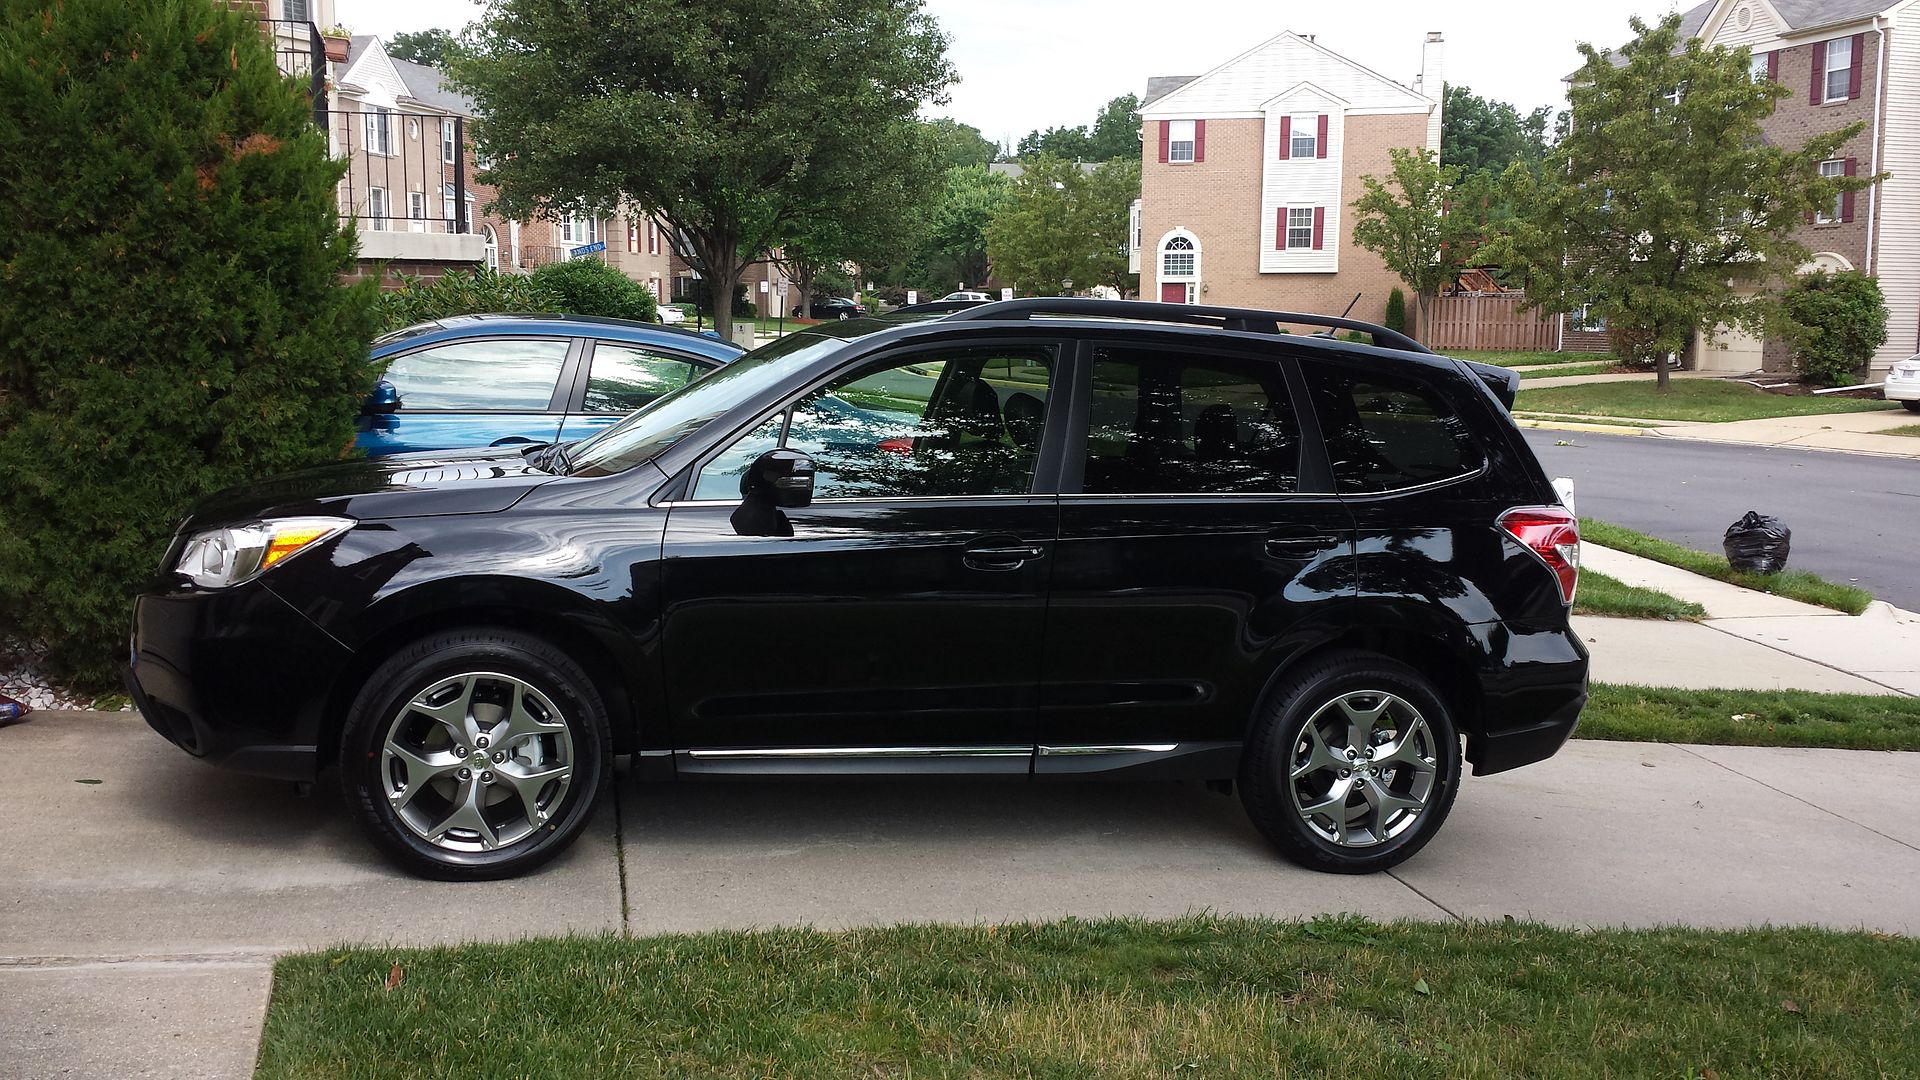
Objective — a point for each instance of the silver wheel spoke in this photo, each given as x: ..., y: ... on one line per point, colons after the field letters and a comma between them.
x: 1361, y: 722
x: 1405, y: 750
x: 421, y: 769
x: 1334, y: 805
x: 1319, y: 754
x: 1408, y: 763
x: 520, y: 723
x: 1382, y: 804
x: 467, y: 815
x: 456, y: 715
x: 527, y: 786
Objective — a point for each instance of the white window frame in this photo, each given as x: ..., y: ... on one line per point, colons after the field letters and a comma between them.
x: 1757, y: 67
x: 1582, y: 320
x: 377, y: 208
x: 493, y: 247
x: 379, y: 133
x: 1310, y: 125
x: 417, y: 211
x: 1175, y: 130
x: 1844, y: 71
x: 1293, y: 218
x: 1832, y: 214
x: 447, y: 151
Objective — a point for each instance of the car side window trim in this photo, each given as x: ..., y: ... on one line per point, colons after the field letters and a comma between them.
x: 1412, y: 374
x: 556, y: 403
x: 576, y: 403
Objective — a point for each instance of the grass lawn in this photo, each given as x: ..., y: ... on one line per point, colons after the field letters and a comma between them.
x: 1602, y: 595
x: 1565, y: 370
x: 1751, y: 718
x: 1527, y: 359
x: 1792, y: 584
x: 1910, y: 429
x: 1199, y: 996
x: 1703, y: 400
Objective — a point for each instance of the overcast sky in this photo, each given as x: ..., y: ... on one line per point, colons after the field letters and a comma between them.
x: 1028, y: 64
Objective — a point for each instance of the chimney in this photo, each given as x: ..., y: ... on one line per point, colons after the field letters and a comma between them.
x: 1433, y: 82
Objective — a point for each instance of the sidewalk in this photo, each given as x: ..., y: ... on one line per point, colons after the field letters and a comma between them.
x: 1852, y: 432
x: 1749, y: 640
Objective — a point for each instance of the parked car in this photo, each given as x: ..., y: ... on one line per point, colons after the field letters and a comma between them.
x: 1903, y: 383
x: 513, y: 380
x: 976, y: 297
x: 833, y: 307
x: 671, y: 315
x: 989, y: 544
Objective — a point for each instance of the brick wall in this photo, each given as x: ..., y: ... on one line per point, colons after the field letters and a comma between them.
x: 1795, y: 120
x: 1218, y: 200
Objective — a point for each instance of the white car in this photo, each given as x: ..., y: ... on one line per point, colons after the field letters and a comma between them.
x: 979, y: 296
x: 672, y: 316
x: 1903, y: 383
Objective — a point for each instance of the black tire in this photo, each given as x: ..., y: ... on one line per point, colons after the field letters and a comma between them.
x: 433, y: 660
x: 1279, y: 738
x: 1911, y: 406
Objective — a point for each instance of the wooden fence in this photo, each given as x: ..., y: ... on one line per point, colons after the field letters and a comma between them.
x: 1493, y: 321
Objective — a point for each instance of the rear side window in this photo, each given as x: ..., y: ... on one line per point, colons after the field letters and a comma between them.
x: 622, y: 378
x: 1166, y: 422
x: 1385, y: 431
x: 495, y: 374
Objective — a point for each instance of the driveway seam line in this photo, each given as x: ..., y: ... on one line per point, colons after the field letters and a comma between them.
x: 1796, y: 798
x: 620, y: 855
x: 1784, y: 652
x: 1416, y: 891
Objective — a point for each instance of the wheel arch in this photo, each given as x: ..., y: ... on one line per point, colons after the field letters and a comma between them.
x: 1443, y: 651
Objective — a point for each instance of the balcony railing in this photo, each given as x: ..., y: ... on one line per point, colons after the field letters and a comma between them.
x: 301, y: 53
x: 406, y: 171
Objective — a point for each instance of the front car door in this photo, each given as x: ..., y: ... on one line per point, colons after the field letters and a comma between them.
x: 481, y: 391
x: 623, y: 376
x: 899, y: 626
x: 1201, y: 534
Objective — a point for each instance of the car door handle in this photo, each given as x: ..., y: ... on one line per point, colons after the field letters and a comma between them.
x: 1299, y: 545
x: 1000, y: 553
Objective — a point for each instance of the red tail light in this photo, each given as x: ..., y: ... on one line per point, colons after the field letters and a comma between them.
x: 1552, y: 533
x: 897, y: 446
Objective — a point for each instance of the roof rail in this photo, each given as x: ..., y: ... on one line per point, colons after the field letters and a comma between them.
x: 1251, y: 320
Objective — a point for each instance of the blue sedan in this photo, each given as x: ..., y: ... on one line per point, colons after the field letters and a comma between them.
x: 502, y: 380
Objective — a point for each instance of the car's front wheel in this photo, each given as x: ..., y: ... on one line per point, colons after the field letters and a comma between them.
x: 1353, y: 764
x: 1911, y: 406
x: 475, y: 754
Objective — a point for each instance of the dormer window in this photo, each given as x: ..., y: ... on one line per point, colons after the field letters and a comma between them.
x: 1304, y: 142
x: 1180, y: 140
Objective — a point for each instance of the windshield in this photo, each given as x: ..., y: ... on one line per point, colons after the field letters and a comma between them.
x: 650, y: 432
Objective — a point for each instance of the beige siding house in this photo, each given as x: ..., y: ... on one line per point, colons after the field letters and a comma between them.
x: 1249, y: 169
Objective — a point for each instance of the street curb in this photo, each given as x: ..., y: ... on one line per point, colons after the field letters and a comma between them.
x: 1575, y: 425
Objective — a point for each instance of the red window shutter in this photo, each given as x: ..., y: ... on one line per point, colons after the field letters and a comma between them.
x: 1319, y: 227
x: 1166, y: 135
x: 1286, y: 141
x: 1853, y: 73
x: 1773, y: 65
x: 1320, y: 144
x: 1819, y: 71
x: 1280, y: 231
x: 1199, y: 140
x: 1846, y: 198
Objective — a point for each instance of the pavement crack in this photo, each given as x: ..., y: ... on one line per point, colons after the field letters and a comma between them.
x: 1797, y: 798
x: 1811, y: 660
x: 620, y: 856
x: 1452, y: 914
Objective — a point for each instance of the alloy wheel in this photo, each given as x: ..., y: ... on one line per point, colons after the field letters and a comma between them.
x: 1363, y: 769
x: 477, y: 761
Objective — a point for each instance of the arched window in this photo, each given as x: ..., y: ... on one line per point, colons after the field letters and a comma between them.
x: 1179, y: 258
x: 493, y: 247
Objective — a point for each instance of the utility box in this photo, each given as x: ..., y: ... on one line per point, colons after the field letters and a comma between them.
x: 743, y: 334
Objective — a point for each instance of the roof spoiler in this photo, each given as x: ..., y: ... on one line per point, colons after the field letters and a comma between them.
x: 1504, y: 382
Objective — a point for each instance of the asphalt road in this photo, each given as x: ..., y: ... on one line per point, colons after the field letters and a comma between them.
x: 1855, y: 518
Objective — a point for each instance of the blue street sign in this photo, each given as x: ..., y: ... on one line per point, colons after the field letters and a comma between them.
x: 587, y: 249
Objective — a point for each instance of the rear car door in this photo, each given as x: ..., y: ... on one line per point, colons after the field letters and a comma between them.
x: 621, y: 376
x: 480, y: 391
x: 1198, y: 535
x: 899, y: 626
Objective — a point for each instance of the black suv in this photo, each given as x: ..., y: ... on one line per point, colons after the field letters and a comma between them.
x: 1037, y: 538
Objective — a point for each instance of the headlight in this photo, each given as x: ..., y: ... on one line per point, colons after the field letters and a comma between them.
x: 218, y: 558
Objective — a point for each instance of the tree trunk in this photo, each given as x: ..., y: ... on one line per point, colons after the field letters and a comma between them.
x: 806, y: 290
x: 1420, y: 301
x: 721, y: 267
x: 1660, y: 361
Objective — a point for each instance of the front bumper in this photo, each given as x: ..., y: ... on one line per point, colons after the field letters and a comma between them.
x: 1533, y: 684
x: 235, y: 677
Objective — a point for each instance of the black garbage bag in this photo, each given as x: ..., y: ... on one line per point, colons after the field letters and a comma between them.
x: 1758, y: 544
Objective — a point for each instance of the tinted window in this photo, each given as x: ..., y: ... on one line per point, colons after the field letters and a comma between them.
x: 1386, y: 431
x: 1168, y: 423
x: 622, y: 378
x: 487, y: 373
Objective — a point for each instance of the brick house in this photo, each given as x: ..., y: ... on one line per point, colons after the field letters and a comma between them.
x: 1248, y: 172
x: 1844, y: 61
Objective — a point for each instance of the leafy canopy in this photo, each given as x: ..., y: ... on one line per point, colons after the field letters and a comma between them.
x: 1412, y: 228
x: 1836, y: 322
x: 742, y: 125
x: 1062, y: 224
x: 1115, y: 135
x: 1663, y: 207
x: 171, y: 317
x: 431, y: 47
x: 1481, y: 135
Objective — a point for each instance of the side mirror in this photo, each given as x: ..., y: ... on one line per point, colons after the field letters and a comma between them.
x: 384, y: 400
x: 782, y: 478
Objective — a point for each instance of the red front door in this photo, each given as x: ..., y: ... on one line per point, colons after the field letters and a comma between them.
x: 1173, y: 292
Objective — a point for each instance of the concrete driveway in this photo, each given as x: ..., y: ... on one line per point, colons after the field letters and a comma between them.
x: 139, y: 915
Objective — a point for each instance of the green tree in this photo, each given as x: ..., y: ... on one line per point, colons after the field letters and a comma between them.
x: 1663, y: 207
x: 431, y: 47
x: 1480, y: 135
x: 1411, y: 228
x: 739, y: 124
x: 957, y: 144
x: 592, y: 287
x: 957, y: 229
x: 1061, y: 224
x: 1116, y: 131
x: 1836, y: 322
x: 171, y: 321
x: 1068, y: 143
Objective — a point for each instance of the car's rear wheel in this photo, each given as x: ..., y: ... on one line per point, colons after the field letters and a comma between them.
x: 475, y: 754
x: 1353, y: 764
x: 1911, y: 406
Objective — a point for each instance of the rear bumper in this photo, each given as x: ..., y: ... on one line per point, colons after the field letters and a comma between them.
x: 1897, y: 389
x: 235, y: 677
x: 1532, y: 687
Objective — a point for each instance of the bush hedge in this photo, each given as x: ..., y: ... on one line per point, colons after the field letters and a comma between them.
x: 577, y: 287
x: 1838, y: 321
x: 171, y: 315
x: 1396, y: 319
